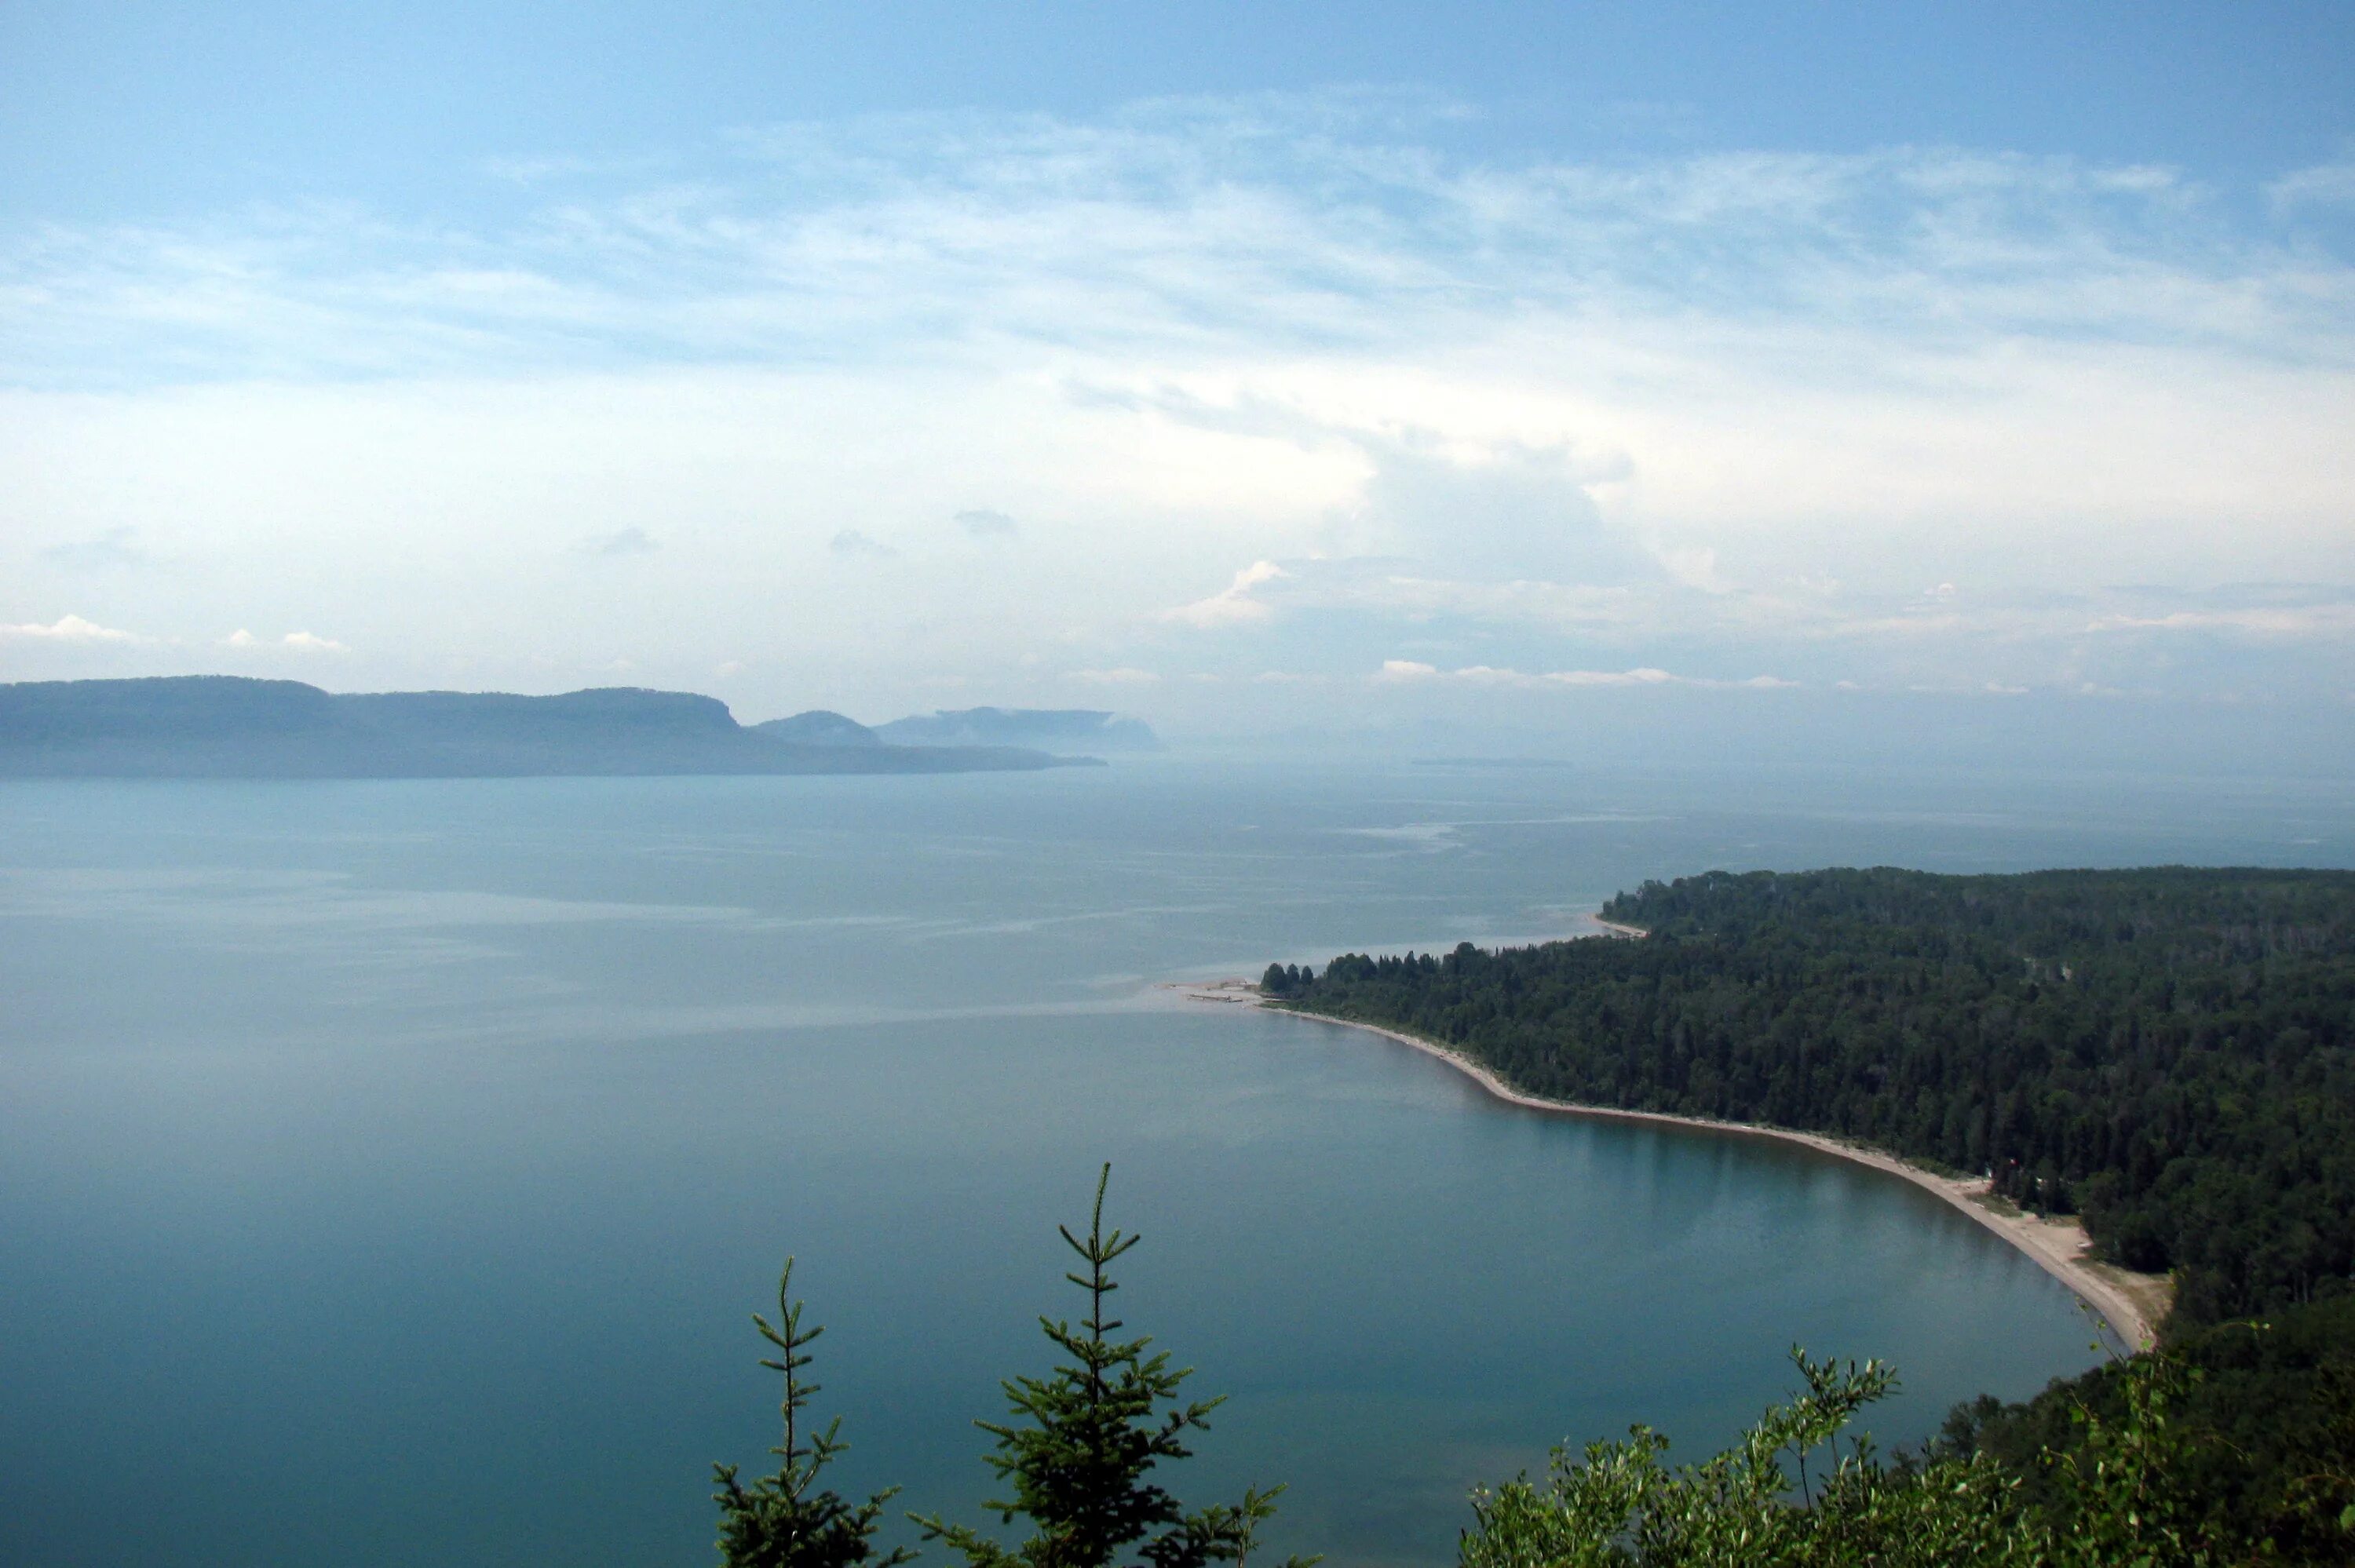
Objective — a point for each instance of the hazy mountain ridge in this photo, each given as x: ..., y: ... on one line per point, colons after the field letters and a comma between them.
x: 233, y: 726
x: 1094, y: 728
x: 820, y: 726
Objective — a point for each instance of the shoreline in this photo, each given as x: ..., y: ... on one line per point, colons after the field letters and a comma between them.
x: 2058, y: 1246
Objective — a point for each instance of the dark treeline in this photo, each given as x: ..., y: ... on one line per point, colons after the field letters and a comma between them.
x: 2170, y: 1051
x: 2266, y: 1422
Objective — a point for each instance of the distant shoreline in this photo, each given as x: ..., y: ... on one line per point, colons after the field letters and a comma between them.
x: 2129, y: 1305
x: 235, y: 726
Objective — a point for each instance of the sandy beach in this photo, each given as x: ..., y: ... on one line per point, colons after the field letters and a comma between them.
x: 2129, y: 1305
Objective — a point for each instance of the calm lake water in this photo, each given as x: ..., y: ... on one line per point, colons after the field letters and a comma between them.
x: 388, y: 1170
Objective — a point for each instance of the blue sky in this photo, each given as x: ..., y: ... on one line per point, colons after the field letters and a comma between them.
x: 1208, y: 361
x: 137, y: 109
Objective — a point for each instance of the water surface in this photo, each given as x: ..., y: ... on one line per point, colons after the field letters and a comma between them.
x: 388, y: 1170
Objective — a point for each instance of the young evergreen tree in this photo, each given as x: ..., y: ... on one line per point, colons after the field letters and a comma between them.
x: 1078, y: 1470
x: 779, y: 1520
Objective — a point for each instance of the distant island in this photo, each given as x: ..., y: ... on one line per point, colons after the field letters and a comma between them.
x: 229, y: 726
x: 1088, y: 729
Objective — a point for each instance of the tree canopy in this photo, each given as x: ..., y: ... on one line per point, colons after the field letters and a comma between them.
x: 2170, y: 1051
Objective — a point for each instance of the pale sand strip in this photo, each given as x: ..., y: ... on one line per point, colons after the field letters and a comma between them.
x: 2129, y: 1304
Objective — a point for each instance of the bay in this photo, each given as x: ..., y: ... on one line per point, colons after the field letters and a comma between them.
x: 388, y: 1169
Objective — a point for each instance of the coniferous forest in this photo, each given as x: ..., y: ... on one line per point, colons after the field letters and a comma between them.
x: 2169, y: 1053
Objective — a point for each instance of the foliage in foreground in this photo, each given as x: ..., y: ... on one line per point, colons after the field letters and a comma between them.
x: 2112, y: 1500
x: 2268, y: 1414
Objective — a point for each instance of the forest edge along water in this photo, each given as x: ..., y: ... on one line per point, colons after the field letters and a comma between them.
x: 2128, y: 1306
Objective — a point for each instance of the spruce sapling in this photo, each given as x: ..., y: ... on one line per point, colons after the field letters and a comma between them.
x: 1078, y: 1470
x: 780, y: 1521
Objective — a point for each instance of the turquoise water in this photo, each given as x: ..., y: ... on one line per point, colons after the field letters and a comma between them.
x: 388, y: 1170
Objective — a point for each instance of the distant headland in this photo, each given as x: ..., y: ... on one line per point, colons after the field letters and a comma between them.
x: 227, y: 726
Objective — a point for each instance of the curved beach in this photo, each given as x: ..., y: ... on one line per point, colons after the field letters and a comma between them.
x: 2129, y: 1305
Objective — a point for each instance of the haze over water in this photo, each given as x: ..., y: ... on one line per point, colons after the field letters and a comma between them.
x: 388, y: 1170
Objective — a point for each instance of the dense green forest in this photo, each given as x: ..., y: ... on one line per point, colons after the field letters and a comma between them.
x: 2169, y: 1052
x: 2265, y: 1414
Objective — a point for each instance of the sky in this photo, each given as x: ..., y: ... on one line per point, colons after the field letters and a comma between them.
x: 1545, y: 372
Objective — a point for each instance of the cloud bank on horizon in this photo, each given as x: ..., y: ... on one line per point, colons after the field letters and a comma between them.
x: 1205, y: 401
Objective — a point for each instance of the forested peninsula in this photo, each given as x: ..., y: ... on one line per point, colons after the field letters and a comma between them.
x: 2168, y: 1052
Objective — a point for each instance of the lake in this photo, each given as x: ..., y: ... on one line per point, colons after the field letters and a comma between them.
x: 388, y: 1170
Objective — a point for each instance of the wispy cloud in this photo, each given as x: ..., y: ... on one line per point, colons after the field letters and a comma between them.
x: 2313, y: 620
x: 1395, y: 671
x: 1271, y: 224
x: 1280, y: 385
x: 2321, y: 184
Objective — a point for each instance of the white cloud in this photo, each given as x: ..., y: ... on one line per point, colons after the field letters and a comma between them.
x: 1645, y: 676
x: 1490, y: 511
x: 1396, y: 670
x: 72, y: 628
x: 1695, y: 567
x: 2320, y: 621
x: 1122, y: 676
x: 2323, y: 184
x: 1521, y: 416
x: 1233, y: 604
x: 1193, y: 233
x: 294, y: 641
